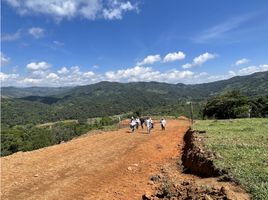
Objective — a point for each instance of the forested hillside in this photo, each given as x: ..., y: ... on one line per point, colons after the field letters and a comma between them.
x: 32, y: 91
x: 110, y: 98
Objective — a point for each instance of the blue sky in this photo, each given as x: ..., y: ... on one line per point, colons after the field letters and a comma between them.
x: 78, y: 42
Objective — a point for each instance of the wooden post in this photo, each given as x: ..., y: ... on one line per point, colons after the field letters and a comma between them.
x: 191, y: 111
x: 119, y: 120
x: 192, y: 117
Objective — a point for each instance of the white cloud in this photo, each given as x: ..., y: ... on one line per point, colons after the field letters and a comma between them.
x: 30, y: 81
x: 241, y: 61
x: 89, y: 74
x: 249, y: 70
x: 38, y: 66
x: 63, y: 70
x: 263, y: 67
x: 36, y: 32
x: 174, y: 56
x: 7, y: 77
x: 95, y: 66
x: 11, y: 36
x: 38, y: 73
x: 58, y: 43
x: 71, y: 76
x: 139, y: 73
x: 52, y: 76
x: 4, y: 59
x: 200, y: 60
x: 68, y: 9
x: 150, y: 59
x: 221, y: 29
x: 232, y: 73
x: 117, y: 10
x: 75, y: 70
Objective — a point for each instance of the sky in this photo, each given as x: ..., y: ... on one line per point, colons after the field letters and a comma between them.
x: 79, y: 42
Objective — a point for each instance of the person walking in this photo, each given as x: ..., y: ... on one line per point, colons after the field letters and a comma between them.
x: 132, y: 124
x: 137, y: 122
x: 149, y: 124
x: 142, y: 122
x: 163, y: 124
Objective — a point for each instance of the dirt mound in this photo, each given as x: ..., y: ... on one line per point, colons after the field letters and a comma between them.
x: 186, y: 190
x: 171, y: 183
x: 195, y: 159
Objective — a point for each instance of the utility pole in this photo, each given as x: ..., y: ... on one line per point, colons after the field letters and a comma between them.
x: 119, y: 120
x: 191, y: 111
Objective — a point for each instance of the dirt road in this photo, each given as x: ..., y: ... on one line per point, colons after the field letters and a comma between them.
x: 112, y: 165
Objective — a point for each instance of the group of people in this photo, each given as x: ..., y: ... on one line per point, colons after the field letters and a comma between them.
x: 148, y: 122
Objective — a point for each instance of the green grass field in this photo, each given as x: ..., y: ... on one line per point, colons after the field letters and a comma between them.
x: 243, y: 145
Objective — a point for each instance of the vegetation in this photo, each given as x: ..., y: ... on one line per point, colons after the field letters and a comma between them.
x: 14, y: 92
x: 30, y: 137
x: 243, y: 146
x: 110, y: 98
x: 234, y: 105
x: 24, y: 109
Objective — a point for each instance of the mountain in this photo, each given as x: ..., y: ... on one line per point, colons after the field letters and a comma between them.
x: 251, y: 85
x: 110, y: 98
x: 32, y: 91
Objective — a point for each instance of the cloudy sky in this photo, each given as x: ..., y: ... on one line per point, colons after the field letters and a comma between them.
x: 78, y: 42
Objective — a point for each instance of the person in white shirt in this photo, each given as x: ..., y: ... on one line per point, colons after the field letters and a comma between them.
x: 163, y: 124
x: 132, y: 124
x: 149, y: 124
x: 137, y: 123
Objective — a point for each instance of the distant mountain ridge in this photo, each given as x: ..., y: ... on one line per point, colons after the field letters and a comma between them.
x: 254, y: 84
x: 110, y: 98
x: 17, y: 92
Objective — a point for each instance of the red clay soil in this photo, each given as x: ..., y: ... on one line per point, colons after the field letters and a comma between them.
x: 112, y: 165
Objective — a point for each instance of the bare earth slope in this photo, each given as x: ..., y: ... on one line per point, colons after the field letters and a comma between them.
x: 113, y: 165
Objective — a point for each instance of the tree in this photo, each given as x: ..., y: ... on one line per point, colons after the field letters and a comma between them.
x: 229, y: 105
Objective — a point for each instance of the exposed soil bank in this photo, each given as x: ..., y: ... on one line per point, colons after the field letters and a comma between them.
x: 195, y: 159
x: 171, y: 183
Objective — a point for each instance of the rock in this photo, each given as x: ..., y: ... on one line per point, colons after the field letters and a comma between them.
x: 184, y: 183
x: 150, y: 182
x: 207, y: 197
x: 146, y: 196
x: 36, y: 175
x: 136, y: 165
x: 155, y: 178
x: 129, y: 168
x: 223, y: 190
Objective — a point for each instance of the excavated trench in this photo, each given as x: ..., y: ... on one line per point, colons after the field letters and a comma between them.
x: 195, y: 159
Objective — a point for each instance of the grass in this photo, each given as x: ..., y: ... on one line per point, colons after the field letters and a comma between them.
x: 243, y: 144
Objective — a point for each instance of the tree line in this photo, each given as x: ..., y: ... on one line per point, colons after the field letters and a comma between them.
x: 235, y: 105
x: 30, y: 137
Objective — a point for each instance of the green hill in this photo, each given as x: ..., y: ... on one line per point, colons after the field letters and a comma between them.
x: 16, y: 92
x: 110, y: 98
